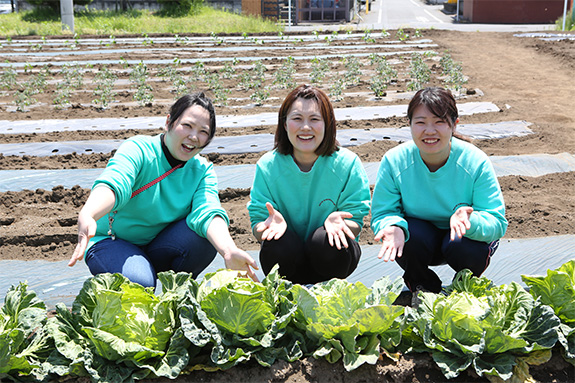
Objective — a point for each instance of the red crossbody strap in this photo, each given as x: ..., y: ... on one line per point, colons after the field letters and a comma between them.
x: 152, y: 183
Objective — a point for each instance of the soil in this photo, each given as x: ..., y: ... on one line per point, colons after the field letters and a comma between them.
x: 528, y: 79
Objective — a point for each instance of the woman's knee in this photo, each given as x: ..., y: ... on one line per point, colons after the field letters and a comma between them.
x: 423, y: 245
x: 329, y: 261
x: 287, y: 252
x: 466, y: 253
x: 118, y: 256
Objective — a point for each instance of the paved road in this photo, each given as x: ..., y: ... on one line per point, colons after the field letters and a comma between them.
x: 395, y: 14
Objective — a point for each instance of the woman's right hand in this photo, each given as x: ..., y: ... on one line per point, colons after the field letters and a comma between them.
x: 99, y: 203
x: 86, y: 230
x: 393, y: 240
x: 273, y: 227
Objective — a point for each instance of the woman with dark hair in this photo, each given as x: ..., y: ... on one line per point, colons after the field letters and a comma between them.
x: 155, y: 207
x: 309, y: 196
x: 436, y: 199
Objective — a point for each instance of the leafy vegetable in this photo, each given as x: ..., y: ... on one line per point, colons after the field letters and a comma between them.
x: 23, y: 342
x: 118, y: 330
x: 349, y: 320
x: 481, y: 326
x: 240, y: 319
x: 557, y: 290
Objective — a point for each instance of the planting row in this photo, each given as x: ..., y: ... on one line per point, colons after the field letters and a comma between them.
x: 119, y: 331
x: 101, y: 87
x: 213, y: 40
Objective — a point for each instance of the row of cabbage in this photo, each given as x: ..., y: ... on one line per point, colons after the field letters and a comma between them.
x: 119, y: 331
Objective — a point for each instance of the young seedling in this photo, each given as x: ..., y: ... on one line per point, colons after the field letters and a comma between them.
x: 220, y: 92
x: 104, y: 91
x: 285, y: 74
x: 73, y: 78
x: 139, y: 78
x: 352, y: 71
x: 8, y: 78
x: 336, y: 89
x: 319, y: 69
x: 419, y: 72
x: 401, y: 35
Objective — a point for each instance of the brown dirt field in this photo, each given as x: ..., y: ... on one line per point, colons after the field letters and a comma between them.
x: 528, y: 79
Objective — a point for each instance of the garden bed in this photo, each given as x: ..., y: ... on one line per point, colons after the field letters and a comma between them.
x: 527, y: 78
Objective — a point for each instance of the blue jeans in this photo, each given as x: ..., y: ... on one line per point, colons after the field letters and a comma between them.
x: 176, y: 248
x: 431, y: 246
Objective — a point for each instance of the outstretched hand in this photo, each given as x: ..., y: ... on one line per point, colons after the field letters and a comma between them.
x: 86, y: 230
x: 459, y: 222
x: 393, y: 240
x: 337, y: 230
x: 274, y: 226
x: 238, y: 259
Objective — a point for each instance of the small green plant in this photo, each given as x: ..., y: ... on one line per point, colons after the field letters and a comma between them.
x: 229, y: 69
x: 104, y: 91
x: 73, y: 78
x: 139, y: 78
x: 39, y: 81
x: 453, y: 73
x: 285, y: 74
x: 24, y: 98
x: 378, y: 85
x: 319, y: 69
x: 220, y: 92
x: 8, y: 78
x: 259, y: 69
x: 419, y: 72
x: 385, y: 73
x: 336, y: 89
x: 367, y: 37
x: 36, y: 84
x: 352, y: 70
x: 199, y: 71
x: 147, y: 40
x: 401, y: 35
x: 216, y: 39
x: 260, y: 95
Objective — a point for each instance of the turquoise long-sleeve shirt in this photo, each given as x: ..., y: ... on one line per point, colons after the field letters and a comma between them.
x: 406, y: 187
x: 189, y: 192
x: 305, y: 199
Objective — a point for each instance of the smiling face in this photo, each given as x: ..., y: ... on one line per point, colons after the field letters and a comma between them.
x: 189, y: 133
x: 432, y: 136
x: 305, y: 129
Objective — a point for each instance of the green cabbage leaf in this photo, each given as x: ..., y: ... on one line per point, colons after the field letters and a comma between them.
x: 349, y: 321
x: 480, y: 325
x: 24, y: 344
x: 557, y: 289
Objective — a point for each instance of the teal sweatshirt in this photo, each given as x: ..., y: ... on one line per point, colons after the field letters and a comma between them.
x: 406, y: 187
x: 335, y: 183
x: 190, y: 192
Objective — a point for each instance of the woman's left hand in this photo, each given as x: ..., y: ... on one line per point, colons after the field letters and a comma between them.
x: 238, y: 259
x: 337, y: 229
x: 459, y: 222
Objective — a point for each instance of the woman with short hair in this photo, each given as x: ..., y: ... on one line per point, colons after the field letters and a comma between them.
x: 309, y: 195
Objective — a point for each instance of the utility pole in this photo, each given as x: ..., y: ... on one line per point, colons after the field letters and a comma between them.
x: 67, y: 13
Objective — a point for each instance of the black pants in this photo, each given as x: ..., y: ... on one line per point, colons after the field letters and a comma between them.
x: 311, y: 261
x: 431, y: 246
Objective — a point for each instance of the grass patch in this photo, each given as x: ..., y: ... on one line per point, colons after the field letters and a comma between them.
x: 45, y: 22
x: 569, y: 22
